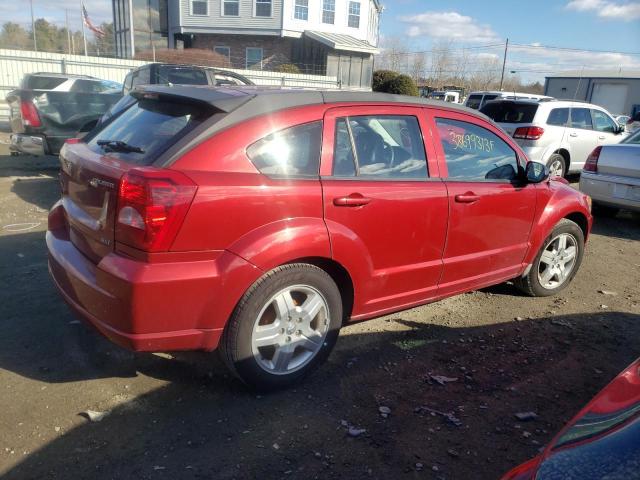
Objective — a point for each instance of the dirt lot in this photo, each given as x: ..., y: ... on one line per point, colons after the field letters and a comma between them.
x: 182, y: 417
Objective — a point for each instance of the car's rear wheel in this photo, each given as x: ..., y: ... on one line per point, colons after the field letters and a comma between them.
x: 557, y: 261
x: 285, y: 325
x: 556, y: 164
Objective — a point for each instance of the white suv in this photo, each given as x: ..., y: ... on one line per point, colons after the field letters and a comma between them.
x: 560, y: 134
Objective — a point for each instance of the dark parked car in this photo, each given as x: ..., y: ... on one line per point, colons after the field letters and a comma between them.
x: 601, y: 442
x: 50, y: 108
x: 261, y: 221
x: 168, y: 73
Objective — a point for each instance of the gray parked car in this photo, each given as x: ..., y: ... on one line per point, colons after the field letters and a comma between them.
x: 611, y: 176
x: 557, y: 133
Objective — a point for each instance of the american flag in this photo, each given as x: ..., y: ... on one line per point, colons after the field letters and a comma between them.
x: 85, y: 18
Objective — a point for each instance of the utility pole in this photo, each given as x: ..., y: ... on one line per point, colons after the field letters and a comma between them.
x: 504, y: 62
x: 84, y: 37
x: 33, y: 28
x: 66, y: 15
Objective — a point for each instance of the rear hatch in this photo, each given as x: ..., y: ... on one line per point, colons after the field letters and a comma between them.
x: 510, y: 115
x: 92, y: 169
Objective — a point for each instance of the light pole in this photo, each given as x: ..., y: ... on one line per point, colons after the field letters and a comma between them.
x: 33, y: 27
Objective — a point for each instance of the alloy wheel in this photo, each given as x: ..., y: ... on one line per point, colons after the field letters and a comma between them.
x: 557, y: 261
x: 290, y: 329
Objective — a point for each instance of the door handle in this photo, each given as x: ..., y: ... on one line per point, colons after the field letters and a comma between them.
x: 468, y: 197
x: 573, y: 134
x: 353, y: 200
x: 602, y: 137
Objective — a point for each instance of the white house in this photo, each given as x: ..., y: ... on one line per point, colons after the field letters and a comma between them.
x: 326, y: 37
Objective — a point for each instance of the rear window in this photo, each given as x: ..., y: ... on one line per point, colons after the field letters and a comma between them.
x: 150, y: 126
x: 558, y: 117
x: 510, y: 112
x: 293, y: 152
x: 181, y: 75
x: 44, y: 83
x: 474, y: 101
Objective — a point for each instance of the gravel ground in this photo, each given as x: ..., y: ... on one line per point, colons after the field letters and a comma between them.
x: 376, y: 410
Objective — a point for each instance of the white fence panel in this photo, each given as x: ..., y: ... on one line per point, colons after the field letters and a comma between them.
x: 14, y: 64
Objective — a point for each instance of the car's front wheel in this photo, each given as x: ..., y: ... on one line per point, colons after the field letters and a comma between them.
x: 556, y: 263
x: 284, y: 326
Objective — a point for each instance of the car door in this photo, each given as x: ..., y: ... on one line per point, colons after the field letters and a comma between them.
x: 607, y: 128
x: 491, y: 208
x: 580, y: 137
x: 385, y: 206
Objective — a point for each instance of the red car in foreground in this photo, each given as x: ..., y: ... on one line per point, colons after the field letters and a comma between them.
x: 601, y: 442
x: 258, y: 222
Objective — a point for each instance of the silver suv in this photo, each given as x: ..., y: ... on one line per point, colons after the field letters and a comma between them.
x: 560, y: 134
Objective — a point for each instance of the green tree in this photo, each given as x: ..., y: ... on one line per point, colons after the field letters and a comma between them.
x: 402, y: 85
x: 13, y: 35
x: 381, y: 78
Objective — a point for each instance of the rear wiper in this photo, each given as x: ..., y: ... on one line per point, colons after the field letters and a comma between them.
x: 119, y: 146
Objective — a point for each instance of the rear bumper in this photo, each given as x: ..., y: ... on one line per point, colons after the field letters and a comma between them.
x: 612, y: 190
x: 28, y: 144
x: 150, y: 306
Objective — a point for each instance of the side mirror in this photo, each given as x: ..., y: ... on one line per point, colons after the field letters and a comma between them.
x: 536, y: 172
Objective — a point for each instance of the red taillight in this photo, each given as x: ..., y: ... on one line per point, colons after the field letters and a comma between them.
x: 30, y: 116
x: 528, y: 133
x: 152, y: 205
x: 591, y: 165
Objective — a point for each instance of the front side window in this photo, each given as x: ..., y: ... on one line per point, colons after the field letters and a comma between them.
x: 199, y: 7
x: 230, y: 8
x: 263, y: 8
x: 602, y: 122
x: 293, y: 152
x: 329, y: 11
x: 301, y: 10
x: 254, y: 58
x: 386, y: 147
x: 581, y: 118
x: 354, y: 14
x: 474, y: 154
x: 558, y: 117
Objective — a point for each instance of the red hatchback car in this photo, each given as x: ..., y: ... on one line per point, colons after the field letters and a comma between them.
x: 258, y: 222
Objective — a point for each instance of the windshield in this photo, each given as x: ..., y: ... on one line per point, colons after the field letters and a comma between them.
x: 510, y: 112
x: 147, y: 128
x: 182, y: 75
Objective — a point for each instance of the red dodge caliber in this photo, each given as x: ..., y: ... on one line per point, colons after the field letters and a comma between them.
x: 258, y: 222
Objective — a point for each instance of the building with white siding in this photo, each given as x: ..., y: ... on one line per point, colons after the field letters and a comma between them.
x: 324, y: 37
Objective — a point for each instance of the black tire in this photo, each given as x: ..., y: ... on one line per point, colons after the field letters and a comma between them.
x: 235, y: 346
x: 559, y: 159
x: 604, y: 210
x: 530, y: 283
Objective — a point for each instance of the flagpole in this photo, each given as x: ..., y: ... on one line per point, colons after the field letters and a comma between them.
x: 84, y: 37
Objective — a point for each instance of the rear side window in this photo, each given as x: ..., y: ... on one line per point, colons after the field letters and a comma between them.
x: 510, y: 112
x: 387, y: 147
x: 181, y: 75
x: 44, y: 83
x: 558, y: 117
x: 144, y: 130
x: 473, y: 153
x: 581, y: 118
x: 474, y: 101
x: 294, y: 152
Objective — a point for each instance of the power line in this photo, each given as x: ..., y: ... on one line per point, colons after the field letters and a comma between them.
x: 570, y: 49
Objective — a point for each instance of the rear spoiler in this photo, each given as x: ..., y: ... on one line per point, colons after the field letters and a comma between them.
x: 224, y: 101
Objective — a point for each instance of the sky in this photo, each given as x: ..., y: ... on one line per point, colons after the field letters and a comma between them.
x: 602, y: 25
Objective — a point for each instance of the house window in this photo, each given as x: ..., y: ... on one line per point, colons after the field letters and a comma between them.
x: 301, y: 10
x: 230, y: 8
x: 254, y: 58
x: 224, y: 51
x: 199, y: 7
x: 263, y: 8
x: 354, y: 14
x: 328, y: 11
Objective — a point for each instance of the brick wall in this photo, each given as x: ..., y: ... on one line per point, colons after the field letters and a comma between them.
x: 276, y: 50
